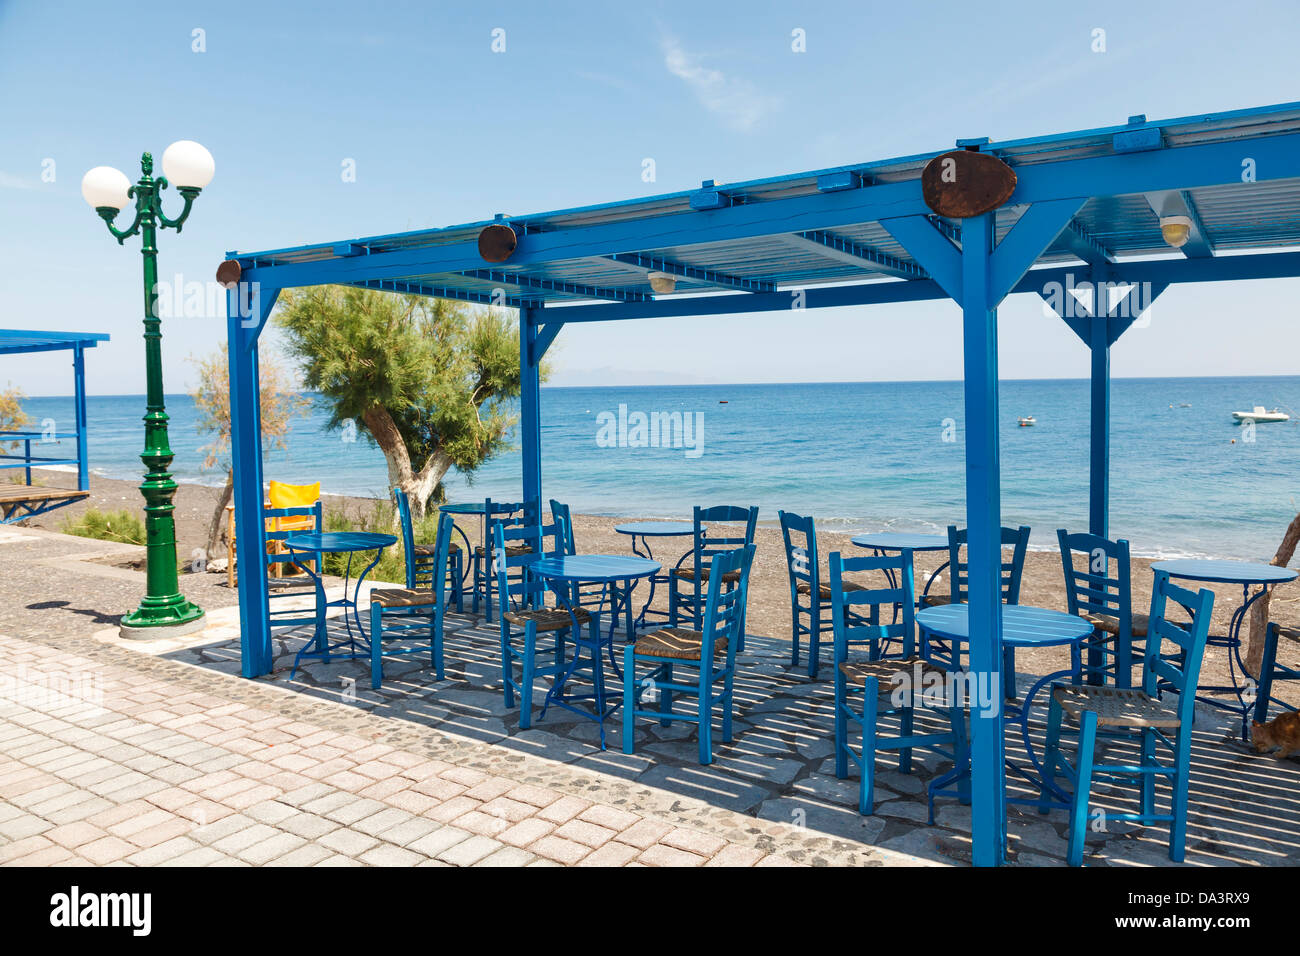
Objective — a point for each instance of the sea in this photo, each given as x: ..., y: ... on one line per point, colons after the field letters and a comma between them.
x: 1185, y: 479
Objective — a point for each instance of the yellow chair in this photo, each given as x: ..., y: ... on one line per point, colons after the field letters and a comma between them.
x: 280, y: 497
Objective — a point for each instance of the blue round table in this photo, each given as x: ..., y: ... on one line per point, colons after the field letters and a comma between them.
x: 1245, y: 573
x: 619, y: 573
x: 335, y: 542
x: 1022, y: 627
x: 655, y: 529
x: 881, y: 541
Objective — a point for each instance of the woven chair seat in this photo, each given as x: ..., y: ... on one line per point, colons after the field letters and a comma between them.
x: 936, y: 600
x: 1290, y: 633
x: 676, y: 642
x: 687, y: 573
x: 402, y: 597
x: 1110, y: 625
x: 512, y: 550
x: 824, y: 590
x: 1115, y: 706
x: 430, y: 550
x: 548, y: 618
x: 857, y: 672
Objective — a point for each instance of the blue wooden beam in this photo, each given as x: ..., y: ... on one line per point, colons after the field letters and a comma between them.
x: 437, y: 291
x: 647, y: 264
x: 245, y: 315
x: 530, y: 425
x: 1159, y: 273
x: 79, y: 413
x: 1035, y: 230
x: 545, y: 336
x: 539, y: 284
x: 830, y: 246
x: 984, y: 539
x: 1099, y: 430
x: 935, y: 252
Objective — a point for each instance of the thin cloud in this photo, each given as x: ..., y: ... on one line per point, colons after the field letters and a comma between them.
x: 10, y: 181
x: 738, y: 102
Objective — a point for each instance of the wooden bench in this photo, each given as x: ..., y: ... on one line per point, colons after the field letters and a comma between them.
x: 26, y: 501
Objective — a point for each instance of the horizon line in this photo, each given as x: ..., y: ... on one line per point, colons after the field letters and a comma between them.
x: 909, y: 381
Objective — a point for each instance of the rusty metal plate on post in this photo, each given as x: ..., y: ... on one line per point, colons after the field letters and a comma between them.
x: 497, y: 242
x: 964, y: 183
x: 228, y: 274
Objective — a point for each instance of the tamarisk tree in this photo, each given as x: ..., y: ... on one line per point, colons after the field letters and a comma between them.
x: 430, y: 381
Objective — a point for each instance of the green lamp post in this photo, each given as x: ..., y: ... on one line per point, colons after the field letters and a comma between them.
x: 189, y: 167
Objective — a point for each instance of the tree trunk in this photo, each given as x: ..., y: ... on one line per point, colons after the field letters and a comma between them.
x: 1259, y: 610
x: 419, y: 486
x: 219, y: 515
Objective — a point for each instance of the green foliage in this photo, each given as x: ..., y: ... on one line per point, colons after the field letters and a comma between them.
x: 12, y: 416
x: 123, y: 526
x: 382, y: 518
x: 428, y: 380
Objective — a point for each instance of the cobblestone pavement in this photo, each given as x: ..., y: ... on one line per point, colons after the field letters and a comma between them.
x: 109, y: 756
x: 321, y: 769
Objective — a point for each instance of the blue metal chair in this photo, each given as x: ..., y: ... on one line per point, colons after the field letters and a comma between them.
x: 710, y: 651
x: 582, y: 595
x: 512, y: 514
x: 281, y: 588
x: 866, y: 689
x: 421, y: 559
x: 801, y: 559
x: 958, y: 580
x: 1139, y: 716
x: 689, y: 582
x: 524, y: 614
x: 416, y: 608
x: 1102, y: 593
x: 1270, y: 670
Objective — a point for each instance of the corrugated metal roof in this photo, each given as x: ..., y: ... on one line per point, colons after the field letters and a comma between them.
x: 26, y: 340
x: 1248, y: 215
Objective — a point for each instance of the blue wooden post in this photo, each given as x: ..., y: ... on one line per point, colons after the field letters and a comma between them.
x: 79, y: 402
x: 244, y: 320
x: 1099, y: 440
x: 984, y: 541
x: 530, y: 422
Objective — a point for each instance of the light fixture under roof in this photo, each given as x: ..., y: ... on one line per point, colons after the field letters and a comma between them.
x: 1176, y: 230
x: 662, y: 282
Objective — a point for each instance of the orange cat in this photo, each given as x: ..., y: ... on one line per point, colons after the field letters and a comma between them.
x: 1282, y: 734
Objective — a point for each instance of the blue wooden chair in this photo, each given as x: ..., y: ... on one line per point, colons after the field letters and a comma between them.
x: 584, y: 595
x: 416, y: 609
x: 1139, y: 716
x: 304, y: 520
x: 524, y: 614
x: 1270, y: 670
x: 801, y: 560
x: 709, y: 651
x: 512, y: 514
x: 958, y: 579
x: 1101, y: 592
x: 867, y: 689
x: 688, y: 583
x: 421, y: 559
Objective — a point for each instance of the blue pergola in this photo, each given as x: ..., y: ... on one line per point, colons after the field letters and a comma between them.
x: 21, y: 502
x: 1086, y: 211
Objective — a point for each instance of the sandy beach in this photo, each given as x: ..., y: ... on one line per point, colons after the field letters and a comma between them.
x: 769, y: 598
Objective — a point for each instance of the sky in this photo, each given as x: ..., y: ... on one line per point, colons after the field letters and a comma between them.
x: 440, y: 129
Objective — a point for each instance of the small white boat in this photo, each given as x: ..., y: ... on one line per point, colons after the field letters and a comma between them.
x: 1261, y: 414
x: 1024, y: 421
